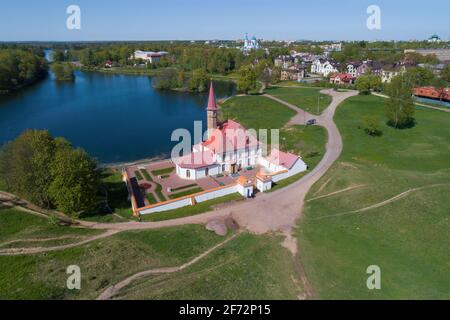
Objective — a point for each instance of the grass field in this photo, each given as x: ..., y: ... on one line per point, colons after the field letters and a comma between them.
x: 256, y: 112
x: 102, y: 263
x: 307, y: 99
x: 22, y: 227
x: 248, y: 267
x: 407, y: 238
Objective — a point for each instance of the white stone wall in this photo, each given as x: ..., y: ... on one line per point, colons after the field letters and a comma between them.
x: 168, y: 206
x: 188, y: 201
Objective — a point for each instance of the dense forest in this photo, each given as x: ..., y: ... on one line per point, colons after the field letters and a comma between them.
x: 20, y: 67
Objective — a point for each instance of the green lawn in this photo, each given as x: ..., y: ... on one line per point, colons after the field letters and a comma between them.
x: 151, y: 198
x: 164, y: 171
x: 307, y: 142
x: 103, y: 263
x: 191, y: 210
x: 146, y: 175
x: 18, y: 225
x: 138, y: 175
x: 185, y: 193
x: 305, y: 98
x: 185, y: 187
x: 256, y: 112
x: 407, y: 238
x: 248, y: 267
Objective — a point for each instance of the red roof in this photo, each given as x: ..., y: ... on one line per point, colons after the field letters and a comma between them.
x: 212, y: 105
x: 196, y: 160
x: 342, y: 76
x: 281, y: 158
x: 230, y: 136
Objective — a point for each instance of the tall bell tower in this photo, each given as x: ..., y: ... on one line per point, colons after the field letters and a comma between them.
x: 212, y: 110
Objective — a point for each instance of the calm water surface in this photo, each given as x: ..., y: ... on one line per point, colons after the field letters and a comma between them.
x: 115, y: 118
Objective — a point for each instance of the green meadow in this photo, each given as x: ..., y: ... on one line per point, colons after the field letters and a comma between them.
x: 308, y: 99
x: 407, y: 237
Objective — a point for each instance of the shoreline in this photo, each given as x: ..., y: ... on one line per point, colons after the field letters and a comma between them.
x: 118, y: 165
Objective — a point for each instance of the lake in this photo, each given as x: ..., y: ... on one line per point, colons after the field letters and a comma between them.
x: 115, y: 118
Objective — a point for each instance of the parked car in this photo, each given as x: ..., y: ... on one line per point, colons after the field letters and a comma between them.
x: 311, y: 122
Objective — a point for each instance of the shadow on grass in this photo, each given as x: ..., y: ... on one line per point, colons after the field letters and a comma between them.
x: 113, y: 198
x: 408, y: 124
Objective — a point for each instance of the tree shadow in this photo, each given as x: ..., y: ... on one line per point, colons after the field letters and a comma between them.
x: 408, y: 124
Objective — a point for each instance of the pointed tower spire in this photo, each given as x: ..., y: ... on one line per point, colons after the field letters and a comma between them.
x: 212, y: 111
x: 212, y: 105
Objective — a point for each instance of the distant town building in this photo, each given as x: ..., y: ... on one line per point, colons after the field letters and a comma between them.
x: 284, y: 61
x: 324, y: 67
x: 443, y: 55
x: 293, y: 73
x: 251, y: 44
x: 149, y: 56
x: 342, y: 78
x: 434, y: 38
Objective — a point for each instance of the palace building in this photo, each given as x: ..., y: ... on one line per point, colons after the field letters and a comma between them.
x: 229, y: 149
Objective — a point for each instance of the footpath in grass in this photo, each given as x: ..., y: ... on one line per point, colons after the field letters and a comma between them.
x: 308, y: 99
x: 248, y: 267
x: 103, y: 263
x: 406, y: 238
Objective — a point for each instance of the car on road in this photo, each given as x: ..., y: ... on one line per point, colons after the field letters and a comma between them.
x: 311, y: 122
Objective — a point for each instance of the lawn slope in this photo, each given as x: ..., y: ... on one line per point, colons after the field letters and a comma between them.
x: 408, y: 236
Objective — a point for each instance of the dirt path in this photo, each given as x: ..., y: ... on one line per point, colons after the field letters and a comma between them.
x: 27, y: 251
x: 114, y: 290
x: 384, y: 203
x: 338, y: 192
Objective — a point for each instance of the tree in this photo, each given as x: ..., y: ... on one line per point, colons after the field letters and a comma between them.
x: 168, y: 79
x: 446, y: 73
x: 198, y: 81
x: 49, y: 172
x: 63, y: 71
x: 400, y: 105
x: 58, y: 55
x: 368, y: 82
x: 247, y: 79
x: 420, y: 76
x: 26, y: 165
x: 363, y: 84
x: 75, y: 182
x: 372, y: 126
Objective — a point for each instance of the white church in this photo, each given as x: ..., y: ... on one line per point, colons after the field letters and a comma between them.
x: 251, y: 44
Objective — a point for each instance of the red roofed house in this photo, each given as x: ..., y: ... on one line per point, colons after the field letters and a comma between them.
x: 342, y: 78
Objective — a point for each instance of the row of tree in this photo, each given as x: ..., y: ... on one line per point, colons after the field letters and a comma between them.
x: 50, y: 173
x: 21, y: 67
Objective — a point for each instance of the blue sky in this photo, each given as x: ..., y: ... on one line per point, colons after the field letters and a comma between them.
x: 22, y: 20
